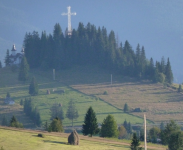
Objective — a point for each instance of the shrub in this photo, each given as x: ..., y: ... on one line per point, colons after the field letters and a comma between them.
x: 41, y: 135
x: 105, y: 93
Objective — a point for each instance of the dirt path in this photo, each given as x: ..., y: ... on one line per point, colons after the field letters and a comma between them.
x: 95, y: 139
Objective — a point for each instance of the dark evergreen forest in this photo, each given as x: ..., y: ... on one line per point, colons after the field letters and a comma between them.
x: 90, y: 45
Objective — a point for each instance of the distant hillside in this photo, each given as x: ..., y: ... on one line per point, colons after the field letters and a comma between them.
x: 43, y: 102
x: 90, y: 45
x: 159, y: 102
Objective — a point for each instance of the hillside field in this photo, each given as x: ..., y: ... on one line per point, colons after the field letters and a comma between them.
x: 11, y: 139
x: 86, y: 86
x: 43, y: 102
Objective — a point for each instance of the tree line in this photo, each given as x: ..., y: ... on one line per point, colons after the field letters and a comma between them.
x: 90, y: 45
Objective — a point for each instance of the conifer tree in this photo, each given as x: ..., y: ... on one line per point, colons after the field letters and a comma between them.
x: 109, y: 127
x: 13, y: 119
x: 0, y: 65
x: 162, y: 126
x: 4, y: 121
x: 8, y: 95
x: 57, y: 111
x: 129, y: 128
x: 162, y: 65
x: 21, y: 102
x: 46, y: 126
x: 135, y: 143
x: 14, y: 123
x: 90, y: 125
x: 125, y: 124
x: 7, y: 58
x: 180, y: 88
x: 126, y: 109
x: 168, y: 73
x: 56, y: 126
x: 24, y: 70
x: 151, y: 69
x: 33, y: 88
x: 72, y: 112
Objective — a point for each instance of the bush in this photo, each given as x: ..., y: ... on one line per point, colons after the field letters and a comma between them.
x: 41, y: 135
x: 105, y: 93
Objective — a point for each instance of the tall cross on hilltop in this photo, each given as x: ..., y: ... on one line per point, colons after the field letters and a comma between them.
x: 69, y: 30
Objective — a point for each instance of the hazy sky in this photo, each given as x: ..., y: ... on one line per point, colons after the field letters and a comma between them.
x: 155, y: 24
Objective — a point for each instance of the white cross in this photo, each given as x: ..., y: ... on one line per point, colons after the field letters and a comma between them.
x: 69, y: 30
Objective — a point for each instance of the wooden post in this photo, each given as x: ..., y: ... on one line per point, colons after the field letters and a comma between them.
x: 53, y: 74
x: 145, y: 143
x: 111, y: 79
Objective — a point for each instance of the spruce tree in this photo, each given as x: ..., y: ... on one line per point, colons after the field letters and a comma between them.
x: 126, y: 109
x: 13, y: 119
x: 72, y: 112
x: 7, y: 58
x: 90, y: 125
x: 109, y: 127
x: 162, y: 65
x: 176, y: 141
x: 33, y: 88
x: 57, y: 111
x: 0, y: 65
x: 125, y: 124
x: 135, y: 143
x: 180, y: 88
x: 56, y: 126
x: 21, y: 102
x: 129, y: 128
x: 14, y: 123
x: 162, y: 126
x: 151, y: 69
x: 8, y: 95
x: 4, y: 121
x: 24, y: 70
x: 168, y: 73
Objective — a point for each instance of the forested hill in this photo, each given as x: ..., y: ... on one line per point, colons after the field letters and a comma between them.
x: 91, y: 45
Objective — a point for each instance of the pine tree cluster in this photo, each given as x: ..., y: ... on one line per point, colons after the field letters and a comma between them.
x: 32, y: 111
x: 89, y: 45
x: 128, y: 127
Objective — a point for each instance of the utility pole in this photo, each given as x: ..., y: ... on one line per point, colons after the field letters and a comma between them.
x: 145, y: 143
x: 53, y: 74
x: 69, y: 30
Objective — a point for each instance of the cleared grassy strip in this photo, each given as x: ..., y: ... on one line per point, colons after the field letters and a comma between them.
x: 12, y: 140
x: 28, y: 139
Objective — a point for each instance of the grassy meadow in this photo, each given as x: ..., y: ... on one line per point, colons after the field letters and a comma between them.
x: 43, y: 102
x: 86, y: 86
x: 11, y: 139
x: 158, y: 102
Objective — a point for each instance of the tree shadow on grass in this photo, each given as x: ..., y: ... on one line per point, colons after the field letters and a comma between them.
x: 56, y: 142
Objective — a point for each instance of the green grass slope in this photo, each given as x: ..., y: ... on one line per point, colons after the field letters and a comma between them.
x: 14, y: 139
x: 43, y: 102
x: 159, y: 103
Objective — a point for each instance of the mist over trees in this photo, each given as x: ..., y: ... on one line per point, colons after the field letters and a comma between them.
x: 90, y: 45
